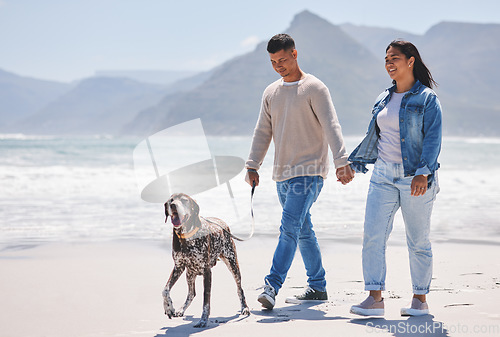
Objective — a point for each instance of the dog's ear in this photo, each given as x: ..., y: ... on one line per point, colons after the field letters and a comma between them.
x: 166, y: 212
x: 195, y: 209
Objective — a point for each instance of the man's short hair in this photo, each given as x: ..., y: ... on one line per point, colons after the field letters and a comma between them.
x: 280, y: 42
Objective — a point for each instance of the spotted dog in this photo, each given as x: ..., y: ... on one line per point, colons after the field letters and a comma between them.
x: 197, y: 244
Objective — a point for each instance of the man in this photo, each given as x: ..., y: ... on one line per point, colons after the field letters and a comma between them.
x: 297, y: 113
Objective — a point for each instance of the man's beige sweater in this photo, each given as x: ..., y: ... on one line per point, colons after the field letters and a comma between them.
x: 302, y: 121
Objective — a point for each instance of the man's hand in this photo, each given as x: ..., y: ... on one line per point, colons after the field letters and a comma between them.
x: 345, y: 174
x: 251, y: 177
x: 418, y: 185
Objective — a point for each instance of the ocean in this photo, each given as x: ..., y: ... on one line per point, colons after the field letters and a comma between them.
x: 73, y: 189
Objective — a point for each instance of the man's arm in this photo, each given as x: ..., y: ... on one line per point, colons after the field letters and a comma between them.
x: 262, y: 137
x: 325, y: 111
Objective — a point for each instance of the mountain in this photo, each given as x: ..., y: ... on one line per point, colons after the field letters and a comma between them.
x: 468, y: 74
x: 376, y: 39
x: 95, y: 105
x: 463, y: 59
x: 230, y: 95
x: 162, y: 77
x: 229, y: 101
x: 349, y: 59
x: 23, y: 96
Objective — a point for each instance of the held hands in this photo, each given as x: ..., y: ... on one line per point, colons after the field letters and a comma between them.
x: 418, y: 185
x: 345, y: 174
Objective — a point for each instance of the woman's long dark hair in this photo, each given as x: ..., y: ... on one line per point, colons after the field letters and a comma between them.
x: 420, y: 71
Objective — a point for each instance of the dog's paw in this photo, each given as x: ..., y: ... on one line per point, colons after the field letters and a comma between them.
x: 179, y: 313
x: 170, y: 313
x: 245, y: 311
x: 169, y: 307
x: 201, y: 323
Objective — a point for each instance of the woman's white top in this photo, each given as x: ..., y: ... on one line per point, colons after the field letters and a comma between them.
x: 389, y: 144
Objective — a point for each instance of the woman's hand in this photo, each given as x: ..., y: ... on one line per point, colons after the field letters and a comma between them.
x: 345, y: 174
x: 418, y: 185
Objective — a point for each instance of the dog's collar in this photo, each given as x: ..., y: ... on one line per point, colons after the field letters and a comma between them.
x: 188, y: 235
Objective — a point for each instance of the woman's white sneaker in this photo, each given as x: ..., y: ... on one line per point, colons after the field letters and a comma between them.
x: 369, y: 307
x: 417, y: 308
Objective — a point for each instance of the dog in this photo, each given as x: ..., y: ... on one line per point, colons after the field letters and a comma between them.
x: 196, y: 246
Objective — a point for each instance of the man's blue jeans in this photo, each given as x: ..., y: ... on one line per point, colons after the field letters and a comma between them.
x: 296, y: 196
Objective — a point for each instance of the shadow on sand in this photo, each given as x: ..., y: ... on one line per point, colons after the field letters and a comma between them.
x: 188, y: 329
x: 412, y: 326
x: 278, y: 315
x: 295, y: 312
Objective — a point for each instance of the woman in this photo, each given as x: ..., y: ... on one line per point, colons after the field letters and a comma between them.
x: 404, y: 141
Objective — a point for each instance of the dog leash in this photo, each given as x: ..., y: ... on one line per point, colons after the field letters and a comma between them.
x: 252, y: 230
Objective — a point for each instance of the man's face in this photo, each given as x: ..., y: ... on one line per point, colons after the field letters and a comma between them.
x: 284, y: 62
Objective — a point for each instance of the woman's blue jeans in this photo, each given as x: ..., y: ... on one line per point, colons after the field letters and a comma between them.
x: 296, y: 196
x: 390, y: 190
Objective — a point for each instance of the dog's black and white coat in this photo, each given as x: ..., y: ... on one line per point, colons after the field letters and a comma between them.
x: 196, y: 246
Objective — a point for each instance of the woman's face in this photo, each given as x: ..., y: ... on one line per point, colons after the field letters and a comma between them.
x: 398, y: 66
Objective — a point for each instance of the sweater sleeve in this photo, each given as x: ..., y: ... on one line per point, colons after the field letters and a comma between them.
x: 262, y: 137
x: 322, y: 106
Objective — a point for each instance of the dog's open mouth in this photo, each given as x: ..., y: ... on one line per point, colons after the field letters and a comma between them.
x: 176, y: 218
x: 176, y: 221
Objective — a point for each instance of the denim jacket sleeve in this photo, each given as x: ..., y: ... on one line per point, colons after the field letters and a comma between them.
x: 432, y: 130
x: 367, y: 152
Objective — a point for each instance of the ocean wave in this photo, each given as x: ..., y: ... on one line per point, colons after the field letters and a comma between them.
x: 79, y: 187
x: 473, y: 140
x: 22, y: 136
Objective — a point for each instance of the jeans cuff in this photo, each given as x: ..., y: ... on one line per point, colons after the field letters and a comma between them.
x: 374, y: 286
x: 420, y: 291
x: 322, y: 289
x: 272, y: 284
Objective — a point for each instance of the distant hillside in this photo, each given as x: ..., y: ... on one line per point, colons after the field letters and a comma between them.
x: 161, y: 77
x: 229, y: 101
x: 463, y: 59
x: 376, y: 39
x: 349, y: 59
x: 23, y: 96
x: 95, y: 105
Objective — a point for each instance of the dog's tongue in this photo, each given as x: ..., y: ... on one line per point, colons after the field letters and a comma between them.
x: 176, y: 221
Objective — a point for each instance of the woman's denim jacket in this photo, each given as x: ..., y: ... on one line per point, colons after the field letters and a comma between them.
x: 420, y: 132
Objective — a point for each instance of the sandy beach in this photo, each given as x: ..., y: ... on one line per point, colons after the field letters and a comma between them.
x: 114, y: 289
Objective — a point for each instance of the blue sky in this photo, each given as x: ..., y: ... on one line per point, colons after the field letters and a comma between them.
x: 67, y: 40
